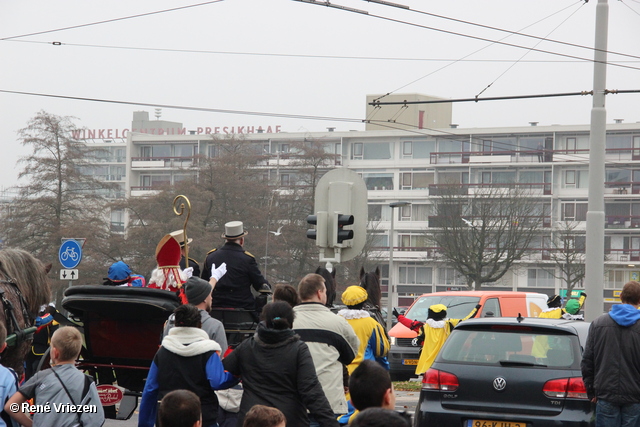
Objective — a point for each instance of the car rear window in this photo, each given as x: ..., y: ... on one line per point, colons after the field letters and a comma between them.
x: 511, y: 347
x: 458, y: 307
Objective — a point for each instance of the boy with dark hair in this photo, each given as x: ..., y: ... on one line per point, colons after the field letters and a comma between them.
x: 62, y: 388
x: 287, y: 293
x: 264, y: 416
x: 380, y: 417
x: 370, y: 386
x: 180, y: 408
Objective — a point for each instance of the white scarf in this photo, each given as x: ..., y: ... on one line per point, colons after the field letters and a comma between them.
x: 436, y: 324
x: 349, y: 314
x: 188, y: 341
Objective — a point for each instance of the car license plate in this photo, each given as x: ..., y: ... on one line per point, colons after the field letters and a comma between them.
x: 489, y: 423
x: 410, y: 362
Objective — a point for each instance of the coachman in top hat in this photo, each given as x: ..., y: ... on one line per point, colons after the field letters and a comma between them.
x: 234, y: 288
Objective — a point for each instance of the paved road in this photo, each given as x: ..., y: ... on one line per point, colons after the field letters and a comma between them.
x: 405, y: 401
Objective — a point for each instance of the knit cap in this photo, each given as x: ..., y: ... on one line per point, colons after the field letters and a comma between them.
x: 119, y: 271
x: 572, y: 307
x: 197, y: 290
x: 354, y: 295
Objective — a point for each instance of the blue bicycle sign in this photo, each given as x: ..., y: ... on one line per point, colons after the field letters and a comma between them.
x: 70, y: 254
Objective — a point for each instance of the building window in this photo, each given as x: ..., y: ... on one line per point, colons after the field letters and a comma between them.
x: 574, y: 211
x: 541, y: 278
x: 405, y: 213
x: 449, y: 276
x: 378, y: 181
x: 615, y: 279
x: 413, y: 275
x: 376, y: 151
x: 412, y: 242
x: 576, y: 179
x: 416, y: 180
x: 285, y: 180
x: 407, y: 149
x: 214, y: 151
x: 375, y: 212
x: 571, y: 145
x: 356, y: 151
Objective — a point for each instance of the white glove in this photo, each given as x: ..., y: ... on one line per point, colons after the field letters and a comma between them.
x: 217, y: 273
x: 188, y: 272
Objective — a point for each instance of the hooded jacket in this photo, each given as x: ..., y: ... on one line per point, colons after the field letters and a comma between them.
x: 188, y: 360
x: 610, y: 363
x: 277, y: 370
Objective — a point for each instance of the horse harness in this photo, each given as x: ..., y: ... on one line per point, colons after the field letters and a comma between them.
x: 13, y: 327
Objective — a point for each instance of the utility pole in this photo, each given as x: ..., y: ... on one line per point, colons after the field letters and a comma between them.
x: 594, y: 274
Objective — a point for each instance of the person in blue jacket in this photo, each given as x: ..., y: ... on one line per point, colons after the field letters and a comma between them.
x: 187, y: 360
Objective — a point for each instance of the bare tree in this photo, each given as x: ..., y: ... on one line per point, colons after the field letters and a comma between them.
x: 568, y: 254
x: 60, y: 198
x: 482, y: 234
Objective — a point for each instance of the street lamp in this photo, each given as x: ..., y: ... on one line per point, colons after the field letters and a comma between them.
x: 392, y: 294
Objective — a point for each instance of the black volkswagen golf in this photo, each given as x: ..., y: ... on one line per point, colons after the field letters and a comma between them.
x: 508, y: 372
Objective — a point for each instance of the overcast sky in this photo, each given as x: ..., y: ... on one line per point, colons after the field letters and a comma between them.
x: 295, y: 58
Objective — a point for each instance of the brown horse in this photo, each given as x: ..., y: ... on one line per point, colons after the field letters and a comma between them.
x: 24, y: 287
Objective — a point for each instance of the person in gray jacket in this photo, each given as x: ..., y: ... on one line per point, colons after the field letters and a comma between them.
x: 331, y: 340
x: 610, y: 363
x: 198, y: 293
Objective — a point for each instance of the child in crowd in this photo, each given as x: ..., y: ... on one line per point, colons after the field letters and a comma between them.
x: 8, y: 382
x: 64, y: 395
x: 264, y: 416
x: 180, y: 408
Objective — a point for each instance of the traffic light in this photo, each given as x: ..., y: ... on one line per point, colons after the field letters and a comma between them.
x: 340, y: 222
x: 341, y: 215
x: 320, y: 232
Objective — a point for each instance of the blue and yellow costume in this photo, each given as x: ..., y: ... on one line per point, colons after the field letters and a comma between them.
x: 374, y: 344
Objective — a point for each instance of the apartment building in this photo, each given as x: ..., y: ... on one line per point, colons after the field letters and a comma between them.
x: 413, y: 165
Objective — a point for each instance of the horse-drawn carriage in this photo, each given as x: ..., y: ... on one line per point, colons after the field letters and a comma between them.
x: 122, y: 328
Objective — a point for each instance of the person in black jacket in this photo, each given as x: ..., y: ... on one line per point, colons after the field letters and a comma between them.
x: 610, y: 363
x: 234, y: 288
x: 277, y: 370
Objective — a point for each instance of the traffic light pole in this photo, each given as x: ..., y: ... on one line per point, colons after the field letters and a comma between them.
x: 594, y: 257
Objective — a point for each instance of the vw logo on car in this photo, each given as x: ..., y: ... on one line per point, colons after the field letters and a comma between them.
x: 499, y: 384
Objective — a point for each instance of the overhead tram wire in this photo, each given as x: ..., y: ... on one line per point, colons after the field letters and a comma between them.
x: 294, y: 55
x: 501, y: 98
x: 182, y: 107
x: 630, y: 8
x: 455, y: 33
x: 139, y: 15
x: 464, y: 57
x: 518, y: 33
x: 526, y: 53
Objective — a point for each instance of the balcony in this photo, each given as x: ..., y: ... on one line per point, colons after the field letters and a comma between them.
x: 530, y: 156
x: 497, y: 189
x: 162, y: 162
